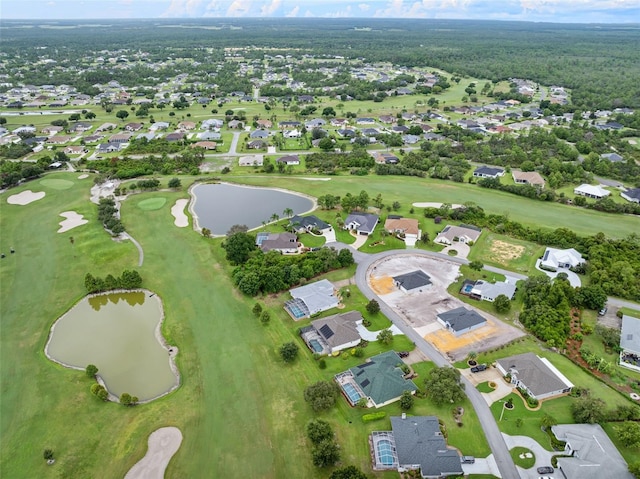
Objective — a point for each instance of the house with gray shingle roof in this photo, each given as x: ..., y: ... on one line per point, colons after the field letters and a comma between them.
x: 407, y: 282
x: 488, y: 172
x: 461, y: 320
x: 536, y: 375
x: 486, y: 291
x: 593, y: 454
x: 362, y: 223
x: 302, y: 224
x: 630, y: 343
x: 419, y: 444
x: 632, y: 195
x: 462, y: 233
x: 334, y: 333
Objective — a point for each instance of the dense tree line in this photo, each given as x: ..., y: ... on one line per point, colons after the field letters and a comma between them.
x: 109, y: 216
x: 129, y: 279
x: 123, y: 168
x: 12, y: 172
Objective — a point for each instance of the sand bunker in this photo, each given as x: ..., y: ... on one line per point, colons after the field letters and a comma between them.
x: 435, y: 205
x: 503, y: 252
x: 71, y: 220
x: 177, y: 210
x: 163, y: 444
x: 26, y: 197
x: 82, y: 177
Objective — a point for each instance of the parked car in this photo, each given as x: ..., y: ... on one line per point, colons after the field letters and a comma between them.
x: 403, y: 354
x: 545, y: 477
x: 478, y: 368
x: 545, y: 470
x: 603, y: 311
x: 468, y: 459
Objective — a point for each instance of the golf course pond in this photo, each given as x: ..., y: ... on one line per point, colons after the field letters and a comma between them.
x: 219, y: 206
x: 120, y: 334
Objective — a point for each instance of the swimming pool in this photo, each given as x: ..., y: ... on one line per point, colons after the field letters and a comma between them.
x: 352, y: 393
x: 467, y: 288
x: 384, y: 452
x: 315, y: 344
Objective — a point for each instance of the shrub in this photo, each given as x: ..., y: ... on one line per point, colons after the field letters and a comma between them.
x: 374, y: 416
x: 322, y: 364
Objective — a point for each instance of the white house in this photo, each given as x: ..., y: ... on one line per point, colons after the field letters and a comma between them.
x: 590, y: 191
x: 462, y: 233
x: 554, y: 259
x: 630, y: 343
x: 251, y: 160
x: 490, y: 291
x: 534, y: 374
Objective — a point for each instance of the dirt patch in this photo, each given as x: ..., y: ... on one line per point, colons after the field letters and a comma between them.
x: 503, y: 252
x: 382, y: 284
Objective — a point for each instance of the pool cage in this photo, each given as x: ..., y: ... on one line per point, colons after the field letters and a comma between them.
x: 383, y: 446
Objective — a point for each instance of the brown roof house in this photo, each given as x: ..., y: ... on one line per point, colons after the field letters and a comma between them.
x: 408, y: 228
x: 282, y: 242
x: 532, y: 178
x: 207, y: 145
x: 462, y: 234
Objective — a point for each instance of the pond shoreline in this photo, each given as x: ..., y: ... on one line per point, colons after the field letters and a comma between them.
x: 172, y: 351
x: 196, y: 222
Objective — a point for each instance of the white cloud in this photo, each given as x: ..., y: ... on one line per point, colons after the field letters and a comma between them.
x: 364, y: 7
x: 294, y: 12
x: 346, y: 13
x: 239, y: 8
x: 270, y: 8
x: 183, y: 8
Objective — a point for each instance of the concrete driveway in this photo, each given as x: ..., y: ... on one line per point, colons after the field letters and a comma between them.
x: 329, y: 235
x: 574, y: 279
x: 543, y: 457
x: 482, y: 466
x: 490, y: 374
x: 462, y: 249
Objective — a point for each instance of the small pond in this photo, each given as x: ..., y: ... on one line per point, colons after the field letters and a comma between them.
x: 120, y: 334
x: 220, y: 206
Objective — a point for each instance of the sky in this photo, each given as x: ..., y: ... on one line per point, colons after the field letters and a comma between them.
x: 558, y: 11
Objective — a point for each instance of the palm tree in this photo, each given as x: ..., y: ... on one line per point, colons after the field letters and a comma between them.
x: 288, y: 212
x: 274, y: 217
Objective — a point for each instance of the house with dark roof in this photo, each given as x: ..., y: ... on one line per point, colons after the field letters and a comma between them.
x: 362, y: 223
x: 415, y: 443
x: 536, y: 375
x: 488, y: 172
x: 463, y: 234
x: 259, y: 134
x: 302, y: 224
x: 177, y: 136
x: 380, y: 380
x: 632, y: 195
x: 592, y: 455
x: 630, y: 343
x: 333, y: 333
x: 311, y: 298
x: 461, y: 320
x: 289, y: 160
x: 414, y: 280
x: 612, y: 157
x: 282, y: 242
x: 386, y: 158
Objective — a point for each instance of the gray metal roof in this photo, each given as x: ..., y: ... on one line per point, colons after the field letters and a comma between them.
x: 419, y: 441
x: 630, y: 334
x: 318, y: 296
x: 461, y: 318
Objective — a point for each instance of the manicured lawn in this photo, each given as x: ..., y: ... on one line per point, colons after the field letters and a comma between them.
x: 484, y: 387
x: 505, y: 252
x: 311, y: 241
x: 408, y: 190
x: 523, y: 457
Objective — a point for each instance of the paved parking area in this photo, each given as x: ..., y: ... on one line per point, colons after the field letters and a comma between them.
x: 420, y: 308
x: 490, y: 374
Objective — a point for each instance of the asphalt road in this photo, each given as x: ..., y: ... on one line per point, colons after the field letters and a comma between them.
x: 494, y: 437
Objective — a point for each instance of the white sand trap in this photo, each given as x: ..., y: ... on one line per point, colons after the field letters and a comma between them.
x: 26, y: 197
x: 177, y: 210
x: 71, y: 220
x: 434, y: 205
x: 316, y: 179
x: 83, y: 176
x: 163, y: 444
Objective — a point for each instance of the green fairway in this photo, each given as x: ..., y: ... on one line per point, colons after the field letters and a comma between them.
x: 57, y: 184
x: 408, y: 190
x: 152, y: 204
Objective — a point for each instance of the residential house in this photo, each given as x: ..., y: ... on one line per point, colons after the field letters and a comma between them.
x: 59, y: 139
x: 338, y: 122
x: 411, y: 281
x: 346, y: 133
x: 410, y: 139
x: 536, y: 375
x: 147, y: 136
x: 209, y: 136
x: 289, y: 160
x: 108, y: 147
x: 292, y: 133
x: 370, y: 132
x: 133, y: 126
x: 532, y: 178
x: 75, y: 150
x: 257, y: 144
x: 289, y: 125
x: 630, y: 343
x: 387, y: 119
x: 259, y: 134
x: 590, y: 191
x: 488, y: 172
x: 215, y: 124
x: 93, y: 138
x: 400, y: 129
x: 380, y: 380
x: 207, y: 145
x: 386, y: 158
x: 282, y: 242
x: 632, y: 195
x: 612, y: 157
x: 176, y: 136
x: 24, y: 129
x: 108, y: 126
x: 315, y: 123
x: 486, y: 291
x: 51, y: 129
x: 186, y: 125
x: 302, y: 224
x: 120, y: 138
x: 365, y: 121
x: 80, y: 127
x: 333, y: 333
x: 312, y: 298
x: 554, y: 259
x: 415, y: 443
x: 408, y: 228
x: 235, y: 124
x: 461, y: 320
x: 463, y: 234
x: 265, y: 124
x: 251, y: 160
x: 362, y: 223
x: 592, y: 454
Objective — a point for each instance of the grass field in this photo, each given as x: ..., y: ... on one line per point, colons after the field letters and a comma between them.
x: 410, y: 190
x: 240, y: 408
